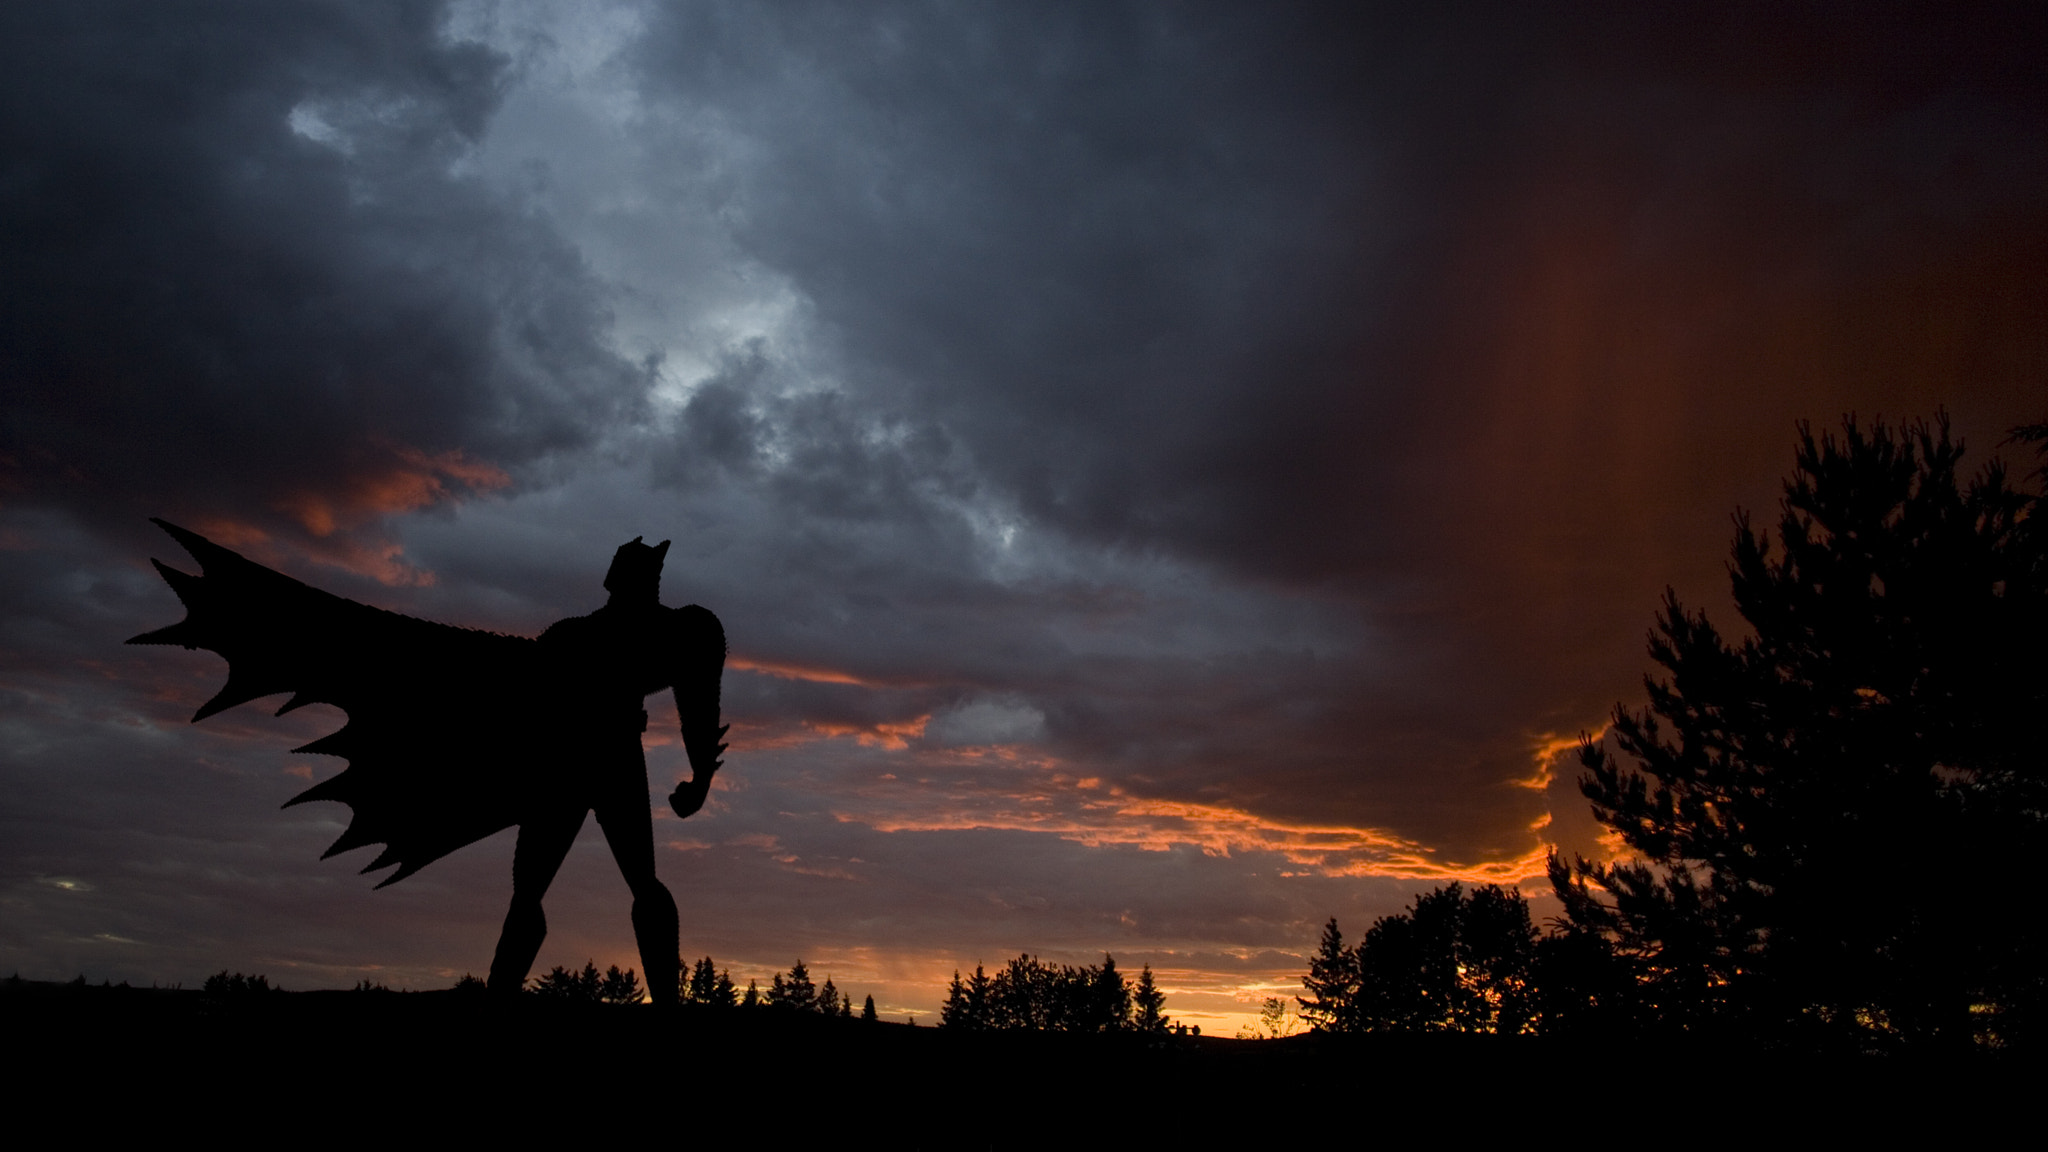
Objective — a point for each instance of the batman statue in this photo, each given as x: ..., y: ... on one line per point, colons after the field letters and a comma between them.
x: 455, y: 734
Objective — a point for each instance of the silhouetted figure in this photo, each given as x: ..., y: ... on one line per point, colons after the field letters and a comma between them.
x: 456, y: 734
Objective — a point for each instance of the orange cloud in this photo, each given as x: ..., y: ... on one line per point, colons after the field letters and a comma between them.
x: 786, y: 671
x: 1548, y: 750
x: 791, y: 671
x: 409, y: 480
x: 404, y: 480
x: 380, y: 560
x: 894, y: 737
x: 1050, y: 801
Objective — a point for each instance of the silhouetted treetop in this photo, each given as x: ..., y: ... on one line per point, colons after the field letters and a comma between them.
x: 1029, y: 995
x: 1811, y: 811
x: 1454, y: 962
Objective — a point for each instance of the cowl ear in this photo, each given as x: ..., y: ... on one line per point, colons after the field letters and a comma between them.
x: 660, y: 552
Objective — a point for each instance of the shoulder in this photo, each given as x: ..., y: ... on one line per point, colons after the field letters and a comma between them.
x: 569, y: 631
x: 696, y: 624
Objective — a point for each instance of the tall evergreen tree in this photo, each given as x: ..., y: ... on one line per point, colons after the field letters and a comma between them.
x: 828, y: 998
x: 1148, y: 1003
x: 953, y: 1012
x: 702, y: 987
x: 1331, y: 984
x: 1109, y: 998
x: 752, y: 997
x: 981, y: 999
x: 867, y: 1010
x: 724, y: 994
x: 1811, y: 811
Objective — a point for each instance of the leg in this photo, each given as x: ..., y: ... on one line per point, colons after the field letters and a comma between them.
x: 629, y: 830
x: 543, y: 843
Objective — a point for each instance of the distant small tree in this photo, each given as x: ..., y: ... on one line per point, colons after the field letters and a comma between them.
x: 828, y: 998
x: 846, y: 1007
x: 585, y: 987
x: 1024, y: 995
x: 557, y: 983
x: 1276, y: 1017
x: 1148, y: 1004
x: 1031, y: 995
x: 619, y: 987
x: 867, y: 1010
x: 702, y: 987
x: 224, y: 983
x: 469, y: 985
x: 710, y: 986
x: 794, y: 991
x: 752, y: 998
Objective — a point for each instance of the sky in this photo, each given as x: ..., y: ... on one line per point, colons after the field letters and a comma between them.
x: 1170, y: 473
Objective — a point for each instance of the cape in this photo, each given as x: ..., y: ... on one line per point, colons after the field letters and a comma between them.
x: 449, y: 729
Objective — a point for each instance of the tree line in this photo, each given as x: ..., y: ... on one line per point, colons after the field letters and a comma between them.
x: 707, y: 986
x: 1827, y: 821
x: 1028, y: 994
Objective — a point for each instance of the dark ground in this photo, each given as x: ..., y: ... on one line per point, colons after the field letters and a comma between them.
x: 445, y: 1066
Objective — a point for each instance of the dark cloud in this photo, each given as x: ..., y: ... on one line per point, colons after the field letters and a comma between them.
x: 1483, y: 321
x: 247, y: 278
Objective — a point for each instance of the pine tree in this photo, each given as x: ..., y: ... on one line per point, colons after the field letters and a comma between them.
x: 981, y: 1000
x: 703, y: 985
x: 867, y: 1010
x: 1109, y: 998
x: 619, y: 987
x: 1331, y: 984
x: 954, y: 1012
x: 828, y: 998
x: 752, y: 998
x: 1884, y: 714
x: 794, y: 991
x: 585, y: 987
x: 846, y: 1007
x: 1149, y: 1002
x: 1025, y: 995
x: 724, y: 994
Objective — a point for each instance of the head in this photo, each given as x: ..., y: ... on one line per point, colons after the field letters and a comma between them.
x: 635, y: 576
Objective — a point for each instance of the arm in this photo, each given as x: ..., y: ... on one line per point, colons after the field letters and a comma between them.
x: 699, y: 664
